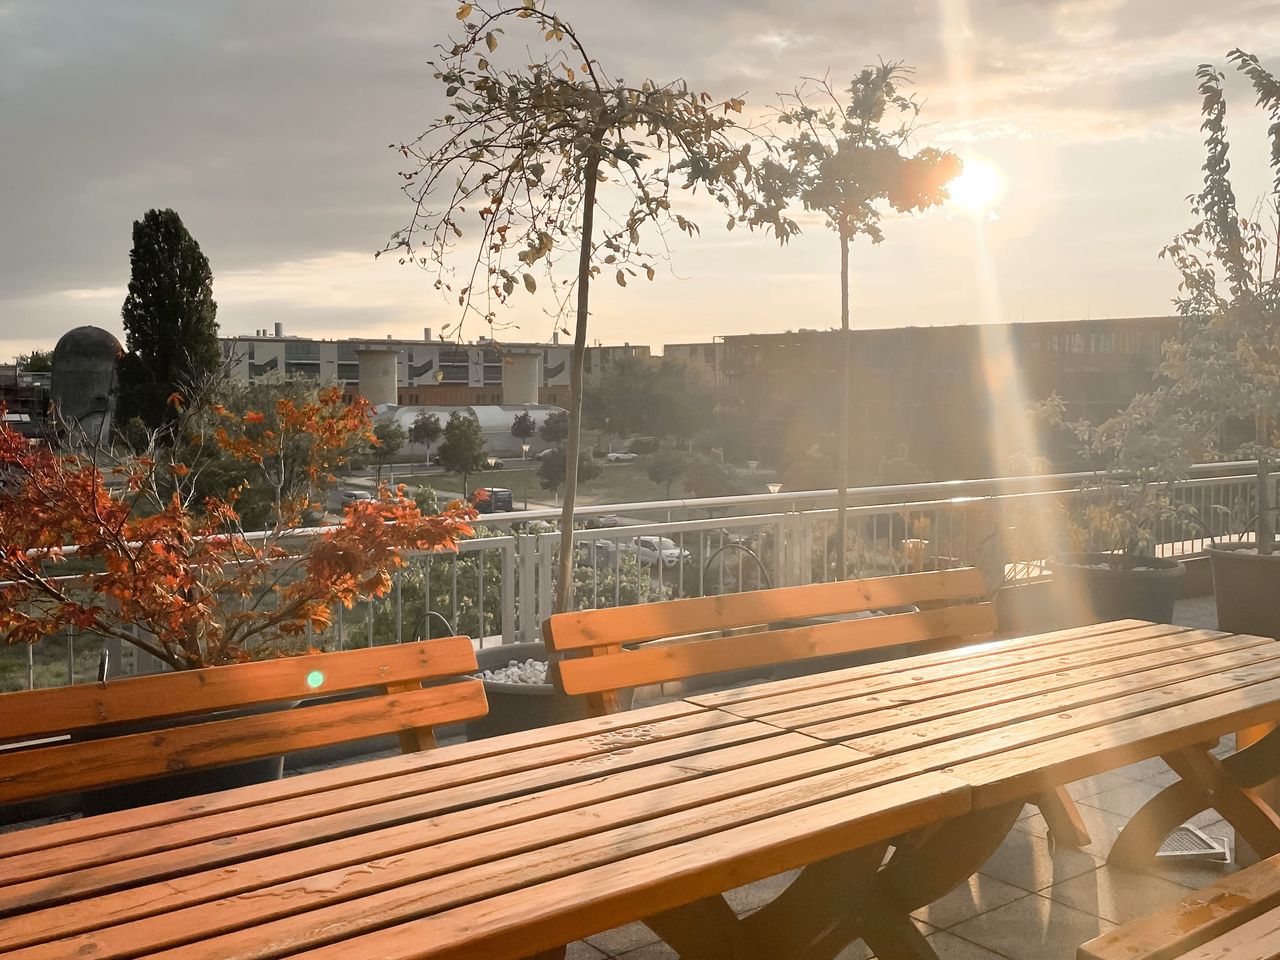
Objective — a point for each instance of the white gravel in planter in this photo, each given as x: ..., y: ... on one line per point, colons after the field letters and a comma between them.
x: 529, y: 671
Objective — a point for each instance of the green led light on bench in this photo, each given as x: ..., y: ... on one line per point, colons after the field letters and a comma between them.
x: 315, y: 679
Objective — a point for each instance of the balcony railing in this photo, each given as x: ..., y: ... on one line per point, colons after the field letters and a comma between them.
x: 499, y: 586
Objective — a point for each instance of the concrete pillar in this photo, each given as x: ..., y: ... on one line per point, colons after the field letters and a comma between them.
x: 521, y: 376
x: 378, y: 375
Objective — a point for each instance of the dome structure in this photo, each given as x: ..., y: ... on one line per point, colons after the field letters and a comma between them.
x: 82, y: 385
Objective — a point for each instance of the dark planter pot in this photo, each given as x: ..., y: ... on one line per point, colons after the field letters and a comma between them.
x: 524, y: 706
x: 1091, y: 590
x: 1246, y: 587
x: 182, y: 785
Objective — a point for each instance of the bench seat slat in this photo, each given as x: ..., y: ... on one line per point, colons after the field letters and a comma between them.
x: 30, y: 713
x: 657, y: 664
x: 60, y: 768
x: 1198, y: 918
x: 583, y: 629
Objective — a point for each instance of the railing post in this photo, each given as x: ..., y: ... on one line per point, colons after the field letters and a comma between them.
x: 508, y: 587
x: 527, y: 594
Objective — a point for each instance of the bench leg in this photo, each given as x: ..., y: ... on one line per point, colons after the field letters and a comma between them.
x: 1066, y: 827
x: 1207, y: 783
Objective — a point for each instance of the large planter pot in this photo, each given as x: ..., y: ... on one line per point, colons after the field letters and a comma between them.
x: 182, y: 785
x: 1095, y: 587
x: 524, y: 706
x: 1246, y: 587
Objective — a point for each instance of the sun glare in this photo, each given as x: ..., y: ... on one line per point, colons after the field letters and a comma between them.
x: 977, y: 188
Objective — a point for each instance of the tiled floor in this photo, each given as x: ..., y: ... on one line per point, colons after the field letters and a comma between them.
x: 1026, y: 902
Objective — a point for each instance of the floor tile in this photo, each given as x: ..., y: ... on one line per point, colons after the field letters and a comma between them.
x: 652, y: 951
x: 1125, y: 800
x: 1024, y: 861
x: 950, y: 947
x: 1115, y: 895
x: 581, y: 950
x: 1099, y: 783
x: 976, y: 895
x: 753, y: 896
x: 622, y: 939
x: 1032, y: 928
x: 1103, y: 827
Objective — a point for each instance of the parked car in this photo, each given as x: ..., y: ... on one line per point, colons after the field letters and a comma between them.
x: 664, y: 550
x: 492, y: 500
x: 620, y: 457
x: 493, y: 463
x: 648, y: 551
x: 355, y: 496
x: 603, y: 522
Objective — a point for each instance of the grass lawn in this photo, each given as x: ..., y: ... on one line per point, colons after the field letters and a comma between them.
x: 617, y: 483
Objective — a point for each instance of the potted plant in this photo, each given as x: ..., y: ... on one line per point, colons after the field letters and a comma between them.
x: 151, y: 544
x: 1220, y: 378
x: 1137, y: 459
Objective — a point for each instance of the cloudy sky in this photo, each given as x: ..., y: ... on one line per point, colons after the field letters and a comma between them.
x: 266, y: 125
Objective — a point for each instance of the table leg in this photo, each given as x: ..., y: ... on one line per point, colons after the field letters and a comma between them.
x: 1207, y: 783
x: 1066, y: 826
x: 844, y: 898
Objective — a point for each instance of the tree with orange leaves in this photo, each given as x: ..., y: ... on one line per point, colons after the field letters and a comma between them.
x: 172, y: 570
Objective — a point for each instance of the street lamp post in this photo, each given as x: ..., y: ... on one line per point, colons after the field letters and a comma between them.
x: 524, y: 464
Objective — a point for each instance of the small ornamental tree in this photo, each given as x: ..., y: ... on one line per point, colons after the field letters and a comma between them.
x: 666, y: 467
x: 177, y: 575
x: 171, y: 330
x: 463, y: 448
x: 523, y: 428
x: 1223, y: 365
x: 555, y: 428
x: 556, y: 159
x: 846, y: 157
x: 551, y: 472
x: 388, y: 440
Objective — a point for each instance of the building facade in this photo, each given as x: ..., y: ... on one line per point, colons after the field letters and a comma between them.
x: 428, y: 372
x: 937, y: 391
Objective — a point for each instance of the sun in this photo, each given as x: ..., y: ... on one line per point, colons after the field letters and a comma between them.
x: 977, y: 188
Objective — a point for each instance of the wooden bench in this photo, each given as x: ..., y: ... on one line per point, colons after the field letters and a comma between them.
x: 1236, y: 918
x: 87, y: 736
x: 608, y: 650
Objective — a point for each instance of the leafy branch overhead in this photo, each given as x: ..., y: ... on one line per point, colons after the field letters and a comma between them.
x: 505, y: 169
x: 551, y: 156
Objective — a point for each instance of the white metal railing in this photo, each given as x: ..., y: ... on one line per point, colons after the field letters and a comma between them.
x: 499, y: 586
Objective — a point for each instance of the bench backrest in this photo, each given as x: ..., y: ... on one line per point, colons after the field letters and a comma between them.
x: 120, y: 731
x: 613, y: 649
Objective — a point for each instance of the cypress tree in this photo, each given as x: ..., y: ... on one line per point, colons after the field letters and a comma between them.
x: 169, y: 319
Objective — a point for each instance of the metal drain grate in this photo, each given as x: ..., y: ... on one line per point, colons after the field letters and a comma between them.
x: 1188, y: 843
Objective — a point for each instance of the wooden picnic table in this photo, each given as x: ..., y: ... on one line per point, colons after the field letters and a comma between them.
x: 508, y: 847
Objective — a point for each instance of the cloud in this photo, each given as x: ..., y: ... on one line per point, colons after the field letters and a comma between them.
x: 266, y: 126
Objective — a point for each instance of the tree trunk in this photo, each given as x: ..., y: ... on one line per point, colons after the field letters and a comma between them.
x: 564, y: 585
x: 842, y: 441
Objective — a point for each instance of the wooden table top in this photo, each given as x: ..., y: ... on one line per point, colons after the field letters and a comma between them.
x: 504, y: 847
